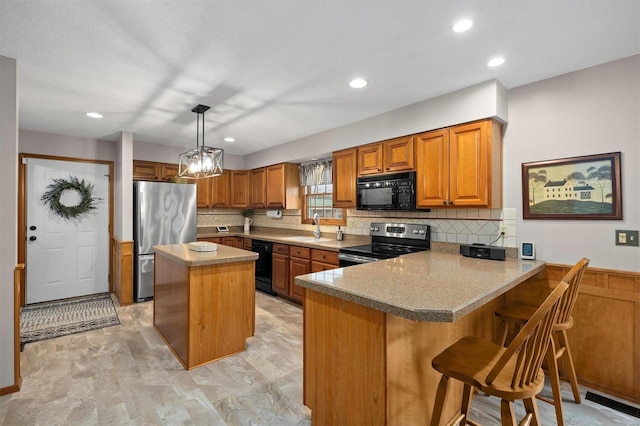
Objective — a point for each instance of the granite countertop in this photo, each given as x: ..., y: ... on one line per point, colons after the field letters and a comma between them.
x: 427, y: 286
x: 224, y: 254
x: 284, y: 236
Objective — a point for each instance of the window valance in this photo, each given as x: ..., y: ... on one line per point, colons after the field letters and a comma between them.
x: 316, y: 172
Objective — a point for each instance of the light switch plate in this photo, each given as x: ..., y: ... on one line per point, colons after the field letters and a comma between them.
x: 626, y: 238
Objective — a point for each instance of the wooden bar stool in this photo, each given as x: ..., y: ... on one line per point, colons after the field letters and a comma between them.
x: 515, y: 314
x: 510, y: 373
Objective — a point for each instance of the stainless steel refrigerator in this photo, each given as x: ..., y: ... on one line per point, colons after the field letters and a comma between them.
x: 164, y: 213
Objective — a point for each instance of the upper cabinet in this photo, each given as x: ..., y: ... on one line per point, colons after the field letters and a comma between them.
x: 283, y: 186
x: 385, y: 157
x: 345, y: 169
x: 460, y: 166
x: 239, y: 188
x: 276, y: 186
x: 154, y: 171
x: 214, y: 191
x: 259, y: 188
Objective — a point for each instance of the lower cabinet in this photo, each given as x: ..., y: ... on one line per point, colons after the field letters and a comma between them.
x: 237, y: 242
x: 298, y: 266
x: 280, y: 269
x: 323, y: 260
x: 291, y: 261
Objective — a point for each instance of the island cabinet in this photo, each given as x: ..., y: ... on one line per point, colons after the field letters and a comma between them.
x: 460, y: 166
x: 213, y: 191
x: 394, y: 155
x: 204, y: 302
x: 345, y: 171
x: 371, y: 331
x: 239, y: 196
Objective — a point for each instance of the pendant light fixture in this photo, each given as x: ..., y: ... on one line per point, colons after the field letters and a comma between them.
x: 203, y: 161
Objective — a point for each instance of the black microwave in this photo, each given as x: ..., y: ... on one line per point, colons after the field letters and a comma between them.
x: 394, y: 191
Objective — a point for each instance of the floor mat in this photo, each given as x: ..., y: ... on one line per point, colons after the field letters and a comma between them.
x: 47, y: 320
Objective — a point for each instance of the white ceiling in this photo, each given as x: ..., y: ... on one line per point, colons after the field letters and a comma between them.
x: 274, y: 71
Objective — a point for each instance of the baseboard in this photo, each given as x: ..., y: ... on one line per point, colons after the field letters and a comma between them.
x: 9, y: 389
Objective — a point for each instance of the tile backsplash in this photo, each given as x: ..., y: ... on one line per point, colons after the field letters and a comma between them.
x: 447, y: 225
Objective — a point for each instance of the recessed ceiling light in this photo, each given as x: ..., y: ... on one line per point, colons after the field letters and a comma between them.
x: 462, y: 25
x: 228, y: 139
x: 358, y: 83
x: 495, y: 62
x: 94, y: 115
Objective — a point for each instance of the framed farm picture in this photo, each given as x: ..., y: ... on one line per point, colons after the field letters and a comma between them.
x: 586, y: 187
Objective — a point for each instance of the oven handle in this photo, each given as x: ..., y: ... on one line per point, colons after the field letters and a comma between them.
x: 355, y: 258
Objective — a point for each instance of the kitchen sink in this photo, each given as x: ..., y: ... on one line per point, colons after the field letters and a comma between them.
x: 303, y: 239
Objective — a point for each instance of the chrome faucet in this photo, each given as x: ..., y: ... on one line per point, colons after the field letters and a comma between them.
x: 316, y: 221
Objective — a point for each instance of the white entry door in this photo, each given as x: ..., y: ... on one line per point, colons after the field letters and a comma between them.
x: 66, y: 257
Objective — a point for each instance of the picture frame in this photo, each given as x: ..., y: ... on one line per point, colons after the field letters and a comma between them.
x: 585, y: 187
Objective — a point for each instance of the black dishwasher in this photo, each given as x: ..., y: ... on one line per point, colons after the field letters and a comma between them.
x: 263, y: 266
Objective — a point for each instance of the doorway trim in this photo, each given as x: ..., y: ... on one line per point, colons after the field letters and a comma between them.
x: 22, y: 213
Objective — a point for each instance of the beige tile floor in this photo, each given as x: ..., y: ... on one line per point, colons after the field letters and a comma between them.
x: 125, y: 375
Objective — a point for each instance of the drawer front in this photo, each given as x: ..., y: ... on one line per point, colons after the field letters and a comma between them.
x: 325, y: 256
x: 301, y: 252
x: 281, y: 248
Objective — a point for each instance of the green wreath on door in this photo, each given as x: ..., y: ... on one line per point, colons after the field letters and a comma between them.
x: 87, y: 204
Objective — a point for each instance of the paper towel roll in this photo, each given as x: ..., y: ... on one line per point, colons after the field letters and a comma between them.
x: 274, y: 213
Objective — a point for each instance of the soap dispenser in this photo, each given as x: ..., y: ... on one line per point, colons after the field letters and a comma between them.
x: 339, y: 235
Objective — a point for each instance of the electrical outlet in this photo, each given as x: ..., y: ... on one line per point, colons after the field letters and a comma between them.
x: 503, y: 230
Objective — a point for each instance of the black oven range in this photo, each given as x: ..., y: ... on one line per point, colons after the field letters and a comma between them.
x: 388, y: 240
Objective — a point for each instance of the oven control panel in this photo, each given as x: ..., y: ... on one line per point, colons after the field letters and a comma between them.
x: 399, y: 230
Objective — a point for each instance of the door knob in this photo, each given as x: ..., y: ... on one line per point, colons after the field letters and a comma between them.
x: 32, y: 228
x: 32, y: 238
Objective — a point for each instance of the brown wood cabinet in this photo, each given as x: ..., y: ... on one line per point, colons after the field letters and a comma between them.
x: 345, y: 171
x: 239, y: 188
x: 259, y: 188
x: 246, y: 244
x: 280, y: 269
x: 323, y: 260
x: 216, y: 240
x: 214, y: 191
x: 236, y: 242
x: 154, y: 171
x: 460, y: 166
x: 283, y: 186
x: 299, y: 264
x: 276, y: 186
x: 385, y: 157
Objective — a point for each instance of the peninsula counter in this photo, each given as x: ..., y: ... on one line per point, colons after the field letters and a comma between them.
x: 204, y: 302
x: 371, y: 331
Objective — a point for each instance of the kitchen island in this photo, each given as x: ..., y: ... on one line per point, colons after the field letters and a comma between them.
x: 371, y: 331
x: 204, y: 302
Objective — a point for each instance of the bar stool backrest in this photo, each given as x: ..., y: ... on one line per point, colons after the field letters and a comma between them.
x: 531, y: 343
x: 573, y: 278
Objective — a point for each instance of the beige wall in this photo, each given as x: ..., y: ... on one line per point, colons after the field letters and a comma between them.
x: 592, y: 111
x: 8, y: 222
